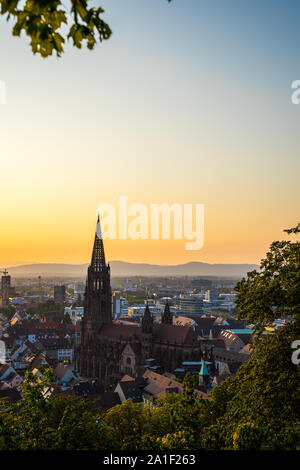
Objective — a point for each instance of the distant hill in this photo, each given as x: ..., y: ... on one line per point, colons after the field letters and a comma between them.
x: 122, y: 268
x: 49, y: 270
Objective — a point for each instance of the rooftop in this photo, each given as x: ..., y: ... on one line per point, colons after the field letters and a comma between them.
x: 245, y: 331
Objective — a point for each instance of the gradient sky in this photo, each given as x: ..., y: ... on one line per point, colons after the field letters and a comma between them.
x: 188, y: 102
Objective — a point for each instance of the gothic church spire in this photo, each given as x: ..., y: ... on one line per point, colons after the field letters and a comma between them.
x: 98, y: 256
x: 167, y: 317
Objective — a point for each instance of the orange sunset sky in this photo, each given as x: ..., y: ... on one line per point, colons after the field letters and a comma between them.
x: 201, y: 117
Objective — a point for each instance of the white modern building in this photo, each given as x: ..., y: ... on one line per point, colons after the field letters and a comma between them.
x: 75, y: 313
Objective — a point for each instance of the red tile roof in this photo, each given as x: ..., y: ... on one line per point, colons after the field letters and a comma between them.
x: 246, y: 349
x: 125, y: 378
x: 158, y: 385
x: 116, y: 331
x: 172, y: 333
x: 43, y: 325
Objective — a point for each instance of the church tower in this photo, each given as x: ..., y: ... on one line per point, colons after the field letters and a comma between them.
x: 167, y: 317
x: 204, y: 378
x: 147, y: 329
x: 97, y: 298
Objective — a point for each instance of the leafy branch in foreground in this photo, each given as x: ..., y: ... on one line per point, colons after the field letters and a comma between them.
x: 42, y: 21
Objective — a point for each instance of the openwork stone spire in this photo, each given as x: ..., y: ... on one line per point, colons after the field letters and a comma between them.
x: 147, y: 320
x: 97, y: 299
x: 167, y: 317
x: 98, y: 256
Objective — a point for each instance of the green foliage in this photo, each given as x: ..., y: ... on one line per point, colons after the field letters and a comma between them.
x: 67, y: 320
x: 78, y: 303
x: 262, y: 400
x: 78, y: 428
x: 274, y: 291
x: 186, y: 417
x: 47, y: 309
x: 43, y: 20
x: 8, y: 312
x: 125, y: 424
x: 27, y: 420
x: 38, y: 422
x: 162, y: 421
x: 136, y: 299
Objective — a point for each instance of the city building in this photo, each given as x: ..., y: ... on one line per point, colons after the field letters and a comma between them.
x: 212, y: 296
x: 59, y: 294
x: 116, y: 304
x: 190, y: 305
x: 236, y: 339
x: 75, y: 313
x: 7, y: 290
x: 201, y: 283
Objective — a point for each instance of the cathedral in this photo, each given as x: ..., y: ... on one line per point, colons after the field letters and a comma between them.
x: 108, y: 348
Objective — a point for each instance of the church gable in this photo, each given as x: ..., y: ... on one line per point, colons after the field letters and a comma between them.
x: 128, y: 350
x: 129, y: 360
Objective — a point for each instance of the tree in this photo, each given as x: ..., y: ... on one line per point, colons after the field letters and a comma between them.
x: 177, y: 422
x: 259, y: 408
x: 27, y: 419
x: 8, y: 312
x: 274, y: 291
x: 41, y: 422
x: 161, y: 420
x: 125, y: 424
x: 43, y: 20
x: 67, y: 319
x: 47, y: 309
x: 78, y: 427
x: 78, y: 302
